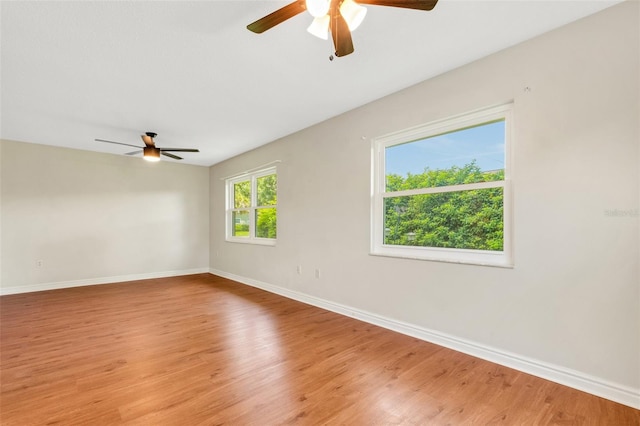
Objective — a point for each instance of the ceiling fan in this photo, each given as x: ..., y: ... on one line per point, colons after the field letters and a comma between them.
x: 150, y: 151
x: 339, y: 17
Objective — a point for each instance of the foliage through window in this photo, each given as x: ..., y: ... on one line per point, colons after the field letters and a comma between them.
x: 441, y: 191
x: 252, y: 205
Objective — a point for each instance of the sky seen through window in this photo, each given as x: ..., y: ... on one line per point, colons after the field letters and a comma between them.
x: 484, y: 144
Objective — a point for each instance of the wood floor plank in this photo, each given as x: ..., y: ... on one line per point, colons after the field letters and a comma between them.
x: 204, y: 350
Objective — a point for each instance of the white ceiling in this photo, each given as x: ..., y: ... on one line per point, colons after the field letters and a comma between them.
x: 191, y: 71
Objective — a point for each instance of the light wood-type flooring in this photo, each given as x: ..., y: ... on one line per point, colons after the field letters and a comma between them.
x: 203, y: 350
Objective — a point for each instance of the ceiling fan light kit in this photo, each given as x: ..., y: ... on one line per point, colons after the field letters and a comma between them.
x: 318, y: 8
x: 338, y: 17
x: 320, y: 27
x: 353, y: 13
x: 151, y: 154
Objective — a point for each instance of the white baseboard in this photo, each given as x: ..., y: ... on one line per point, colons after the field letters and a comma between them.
x: 97, y: 281
x: 564, y: 376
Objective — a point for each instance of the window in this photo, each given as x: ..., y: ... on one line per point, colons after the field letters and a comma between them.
x: 252, y: 204
x: 441, y: 191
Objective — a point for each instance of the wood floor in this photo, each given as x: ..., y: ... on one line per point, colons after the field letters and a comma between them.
x: 203, y: 350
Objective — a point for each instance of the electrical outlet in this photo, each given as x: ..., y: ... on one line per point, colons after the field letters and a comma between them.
x: 39, y: 263
x: 299, y: 269
x: 317, y: 273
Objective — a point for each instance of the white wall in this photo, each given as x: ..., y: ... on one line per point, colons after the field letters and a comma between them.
x: 571, y: 303
x: 93, y: 218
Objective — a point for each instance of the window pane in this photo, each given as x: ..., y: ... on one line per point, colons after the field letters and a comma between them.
x: 267, y: 190
x: 266, y: 223
x: 463, y: 219
x: 242, y: 194
x: 240, y: 226
x: 475, y: 154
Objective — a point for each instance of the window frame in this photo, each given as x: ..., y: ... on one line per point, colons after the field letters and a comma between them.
x: 502, y: 258
x: 251, y: 177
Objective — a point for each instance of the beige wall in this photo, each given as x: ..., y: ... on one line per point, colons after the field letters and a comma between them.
x: 572, y: 300
x: 93, y: 217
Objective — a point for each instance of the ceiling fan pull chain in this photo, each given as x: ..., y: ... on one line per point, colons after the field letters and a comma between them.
x: 331, y: 50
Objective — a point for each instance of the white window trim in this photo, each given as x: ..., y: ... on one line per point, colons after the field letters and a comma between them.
x: 378, y: 191
x: 253, y: 178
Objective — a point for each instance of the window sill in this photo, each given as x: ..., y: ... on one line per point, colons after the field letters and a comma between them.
x: 254, y: 241
x: 463, y: 257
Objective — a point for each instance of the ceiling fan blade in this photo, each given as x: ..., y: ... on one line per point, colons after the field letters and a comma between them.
x: 180, y: 149
x: 148, y: 140
x: 171, y: 155
x: 117, y: 143
x: 134, y: 152
x: 277, y: 17
x: 341, y: 35
x: 407, y: 4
